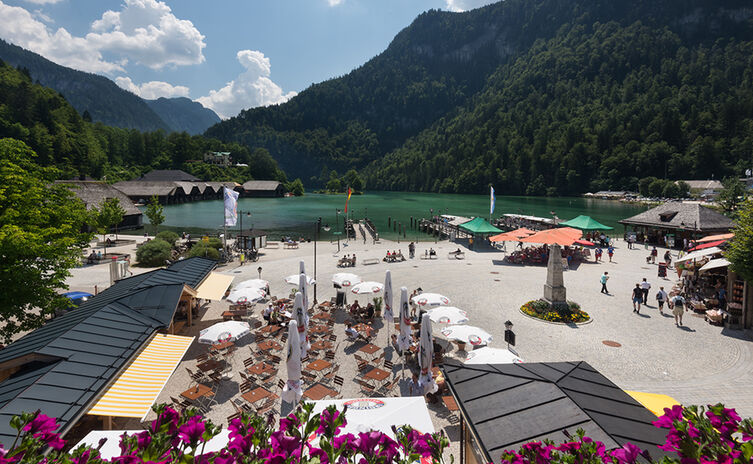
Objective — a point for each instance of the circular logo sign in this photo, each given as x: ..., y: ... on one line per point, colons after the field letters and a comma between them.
x: 376, y: 289
x: 364, y: 404
x: 422, y: 301
x: 445, y: 300
x: 444, y: 320
x: 346, y: 283
x: 474, y: 339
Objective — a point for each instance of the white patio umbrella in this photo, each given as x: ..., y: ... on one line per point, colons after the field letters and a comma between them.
x: 389, y: 316
x: 302, y: 323
x: 447, y: 315
x: 292, y: 391
x: 426, y: 300
x: 468, y: 334
x: 425, y: 357
x: 404, y: 339
x: 488, y: 355
x: 365, y: 288
x: 246, y: 295
x: 303, y: 289
x: 223, y: 332
x: 295, y: 279
x: 346, y: 279
x: 261, y: 284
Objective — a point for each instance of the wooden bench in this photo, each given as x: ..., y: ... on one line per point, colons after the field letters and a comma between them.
x: 178, y: 326
x: 369, y: 261
x: 272, y: 245
x: 290, y: 245
x: 428, y: 256
x: 454, y: 255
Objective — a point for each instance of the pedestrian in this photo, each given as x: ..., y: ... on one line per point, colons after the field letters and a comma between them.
x: 661, y: 298
x: 242, y: 258
x: 603, y: 280
x: 597, y: 254
x: 677, y: 303
x: 610, y: 252
x: 645, y: 287
x: 258, y: 269
x: 654, y: 254
x: 412, y: 250
x: 637, y: 299
x: 668, y: 259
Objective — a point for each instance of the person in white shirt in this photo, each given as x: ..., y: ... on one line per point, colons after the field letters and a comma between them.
x: 645, y: 287
x: 677, y: 303
x: 351, y: 332
x: 661, y: 298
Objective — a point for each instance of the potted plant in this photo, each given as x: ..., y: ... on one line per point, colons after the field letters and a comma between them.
x: 461, y: 345
x: 378, y: 306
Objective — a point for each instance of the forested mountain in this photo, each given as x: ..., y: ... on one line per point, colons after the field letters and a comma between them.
x: 44, y: 120
x: 535, y: 96
x: 183, y: 114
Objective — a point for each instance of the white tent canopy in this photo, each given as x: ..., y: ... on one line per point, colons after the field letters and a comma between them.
x: 368, y: 287
x: 346, y: 279
x: 714, y: 264
x: 447, y: 315
x: 487, y: 355
x: 380, y: 414
x: 425, y: 300
x: 699, y: 254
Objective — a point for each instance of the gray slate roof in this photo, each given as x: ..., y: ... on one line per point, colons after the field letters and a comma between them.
x: 80, y: 353
x: 507, y: 405
x: 93, y: 193
x: 134, y: 188
x: 261, y: 185
x: 686, y: 216
x: 171, y: 175
x: 704, y: 184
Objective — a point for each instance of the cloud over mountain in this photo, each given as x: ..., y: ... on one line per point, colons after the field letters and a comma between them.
x: 153, y: 89
x: 465, y: 5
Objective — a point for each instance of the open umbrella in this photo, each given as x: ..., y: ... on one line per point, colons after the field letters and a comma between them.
x: 389, y: 316
x: 246, y: 295
x: 427, y: 300
x: 302, y: 322
x: 425, y: 357
x: 295, y: 279
x: 223, y: 332
x: 292, y: 391
x: 404, y: 339
x: 447, y: 315
x: 714, y: 238
x: 468, y: 334
x: 488, y: 355
x: 253, y: 283
x: 346, y: 279
x: 365, y: 288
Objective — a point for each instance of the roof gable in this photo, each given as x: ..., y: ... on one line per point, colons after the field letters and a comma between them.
x: 173, y: 175
x: 679, y: 215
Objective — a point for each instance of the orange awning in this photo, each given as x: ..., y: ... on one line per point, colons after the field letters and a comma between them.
x: 512, y: 236
x: 565, y: 236
x: 714, y: 238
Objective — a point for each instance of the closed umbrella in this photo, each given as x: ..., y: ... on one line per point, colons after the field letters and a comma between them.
x: 295, y: 279
x: 425, y: 357
x: 427, y: 300
x: 246, y: 295
x: 365, y: 288
x: 346, y: 279
x: 302, y: 322
x: 303, y: 289
x: 223, y: 332
x: 468, y: 334
x: 447, y: 315
x: 292, y: 391
x: 389, y: 316
x: 404, y: 339
x: 488, y: 355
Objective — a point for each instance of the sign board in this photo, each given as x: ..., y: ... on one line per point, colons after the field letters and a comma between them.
x: 510, y: 337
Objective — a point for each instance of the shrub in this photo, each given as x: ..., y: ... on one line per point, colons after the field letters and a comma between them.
x: 204, y: 250
x: 168, y: 236
x: 541, y: 309
x: 153, y: 253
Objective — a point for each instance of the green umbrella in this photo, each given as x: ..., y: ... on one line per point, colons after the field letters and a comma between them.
x: 479, y: 226
x: 585, y: 223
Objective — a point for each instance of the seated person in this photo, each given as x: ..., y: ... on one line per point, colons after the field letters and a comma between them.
x: 108, y: 241
x: 99, y: 255
x: 432, y: 252
x: 353, y: 260
x: 355, y: 308
x: 400, y: 256
x: 350, y: 332
x: 370, y: 311
x: 267, y: 312
x: 456, y: 252
x: 92, y: 257
x: 395, y: 345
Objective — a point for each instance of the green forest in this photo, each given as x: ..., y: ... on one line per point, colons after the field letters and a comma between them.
x: 44, y: 120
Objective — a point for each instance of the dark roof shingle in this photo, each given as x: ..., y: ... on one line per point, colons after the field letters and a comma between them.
x: 679, y: 215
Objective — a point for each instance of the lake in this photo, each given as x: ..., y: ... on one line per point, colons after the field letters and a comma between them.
x: 297, y: 215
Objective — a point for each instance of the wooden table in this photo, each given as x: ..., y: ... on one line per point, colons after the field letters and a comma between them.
x: 323, y: 316
x: 261, y: 368
x: 450, y: 402
x: 319, y: 365
x: 377, y: 374
x: 255, y: 395
x: 209, y: 365
x: 369, y: 349
x: 221, y: 346
x: 269, y: 345
x: 318, y: 392
x: 268, y: 329
x: 194, y: 393
x: 361, y: 327
x: 321, y: 345
x: 234, y: 315
x: 319, y: 329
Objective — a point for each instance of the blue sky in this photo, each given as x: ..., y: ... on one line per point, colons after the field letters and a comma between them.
x: 227, y: 54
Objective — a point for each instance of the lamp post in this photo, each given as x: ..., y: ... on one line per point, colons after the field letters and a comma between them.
x: 509, y: 334
x: 240, y: 231
x: 318, y: 224
x: 337, y: 228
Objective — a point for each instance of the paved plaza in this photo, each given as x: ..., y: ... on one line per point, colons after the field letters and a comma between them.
x: 697, y: 363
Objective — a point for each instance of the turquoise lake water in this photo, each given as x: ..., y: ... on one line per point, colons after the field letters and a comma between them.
x: 297, y: 215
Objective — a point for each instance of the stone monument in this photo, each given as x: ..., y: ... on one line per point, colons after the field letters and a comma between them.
x: 554, y: 289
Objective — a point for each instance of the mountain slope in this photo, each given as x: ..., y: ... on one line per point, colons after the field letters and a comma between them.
x: 434, y: 67
x: 101, y: 97
x: 183, y: 114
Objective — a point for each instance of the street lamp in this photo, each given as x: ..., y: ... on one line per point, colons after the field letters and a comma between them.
x: 337, y: 228
x: 240, y: 232
x: 318, y: 224
x: 509, y: 334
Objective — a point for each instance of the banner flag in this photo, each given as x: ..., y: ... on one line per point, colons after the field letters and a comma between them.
x: 348, y: 199
x: 493, y: 199
x: 231, y: 206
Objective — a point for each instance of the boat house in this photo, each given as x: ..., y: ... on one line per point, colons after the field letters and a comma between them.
x: 671, y: 223
x: 263, y: 188
x: 94, y: 193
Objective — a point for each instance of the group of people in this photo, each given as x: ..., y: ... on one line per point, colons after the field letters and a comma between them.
x: 651, y: 258
x: 274, y: 313
x: 93, y: 257
x: 598, y: 253
x: 394, y: 256
x: 675, y: 301
x: 362, y: 312
x: 347, y: 261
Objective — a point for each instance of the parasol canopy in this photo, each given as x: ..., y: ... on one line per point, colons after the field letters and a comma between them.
x: 294, y: 279
x: 447, y: 315
x: 703, y: 246
x: 512, y: 236
x: 426, y: 300
x: 292, y: 391
x: 488, y: 355
x: 468, y: 334
x: 364, y: 288
x: 405, y: 338
x: 261, y: 284
x: 346, y: 279
x: 246, y: 295
x: 224, y: 332
x: 479, y: 226
x: 425, y: 357
x: 564, y: 236
x: 584, y: 222
x: 714, y: 238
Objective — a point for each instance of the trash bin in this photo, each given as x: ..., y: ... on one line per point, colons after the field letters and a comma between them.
x: 662, y: 269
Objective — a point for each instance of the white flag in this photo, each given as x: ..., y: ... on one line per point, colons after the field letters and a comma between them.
x: 492, y: 200
x: 231, y: 206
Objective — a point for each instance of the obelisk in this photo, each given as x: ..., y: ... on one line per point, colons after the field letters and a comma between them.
x: 554, y: 289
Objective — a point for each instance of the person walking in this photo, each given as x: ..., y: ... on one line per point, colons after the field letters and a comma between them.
x: 668, y: 259
x: 610, y: 252
x: 603, y: 280
x: 677, y: 303
x: 661, y: 298
x: 597, y: 254
x: 412, y: 250
x: 645, y: 287
x: 637, y: 299
x: 654, y: 254
x: 242, y: 257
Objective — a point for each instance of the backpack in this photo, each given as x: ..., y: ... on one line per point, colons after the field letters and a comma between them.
x: 658, y: 296
x: 679, y: 303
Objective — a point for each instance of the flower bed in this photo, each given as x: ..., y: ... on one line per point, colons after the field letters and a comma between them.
x: 541, y: 309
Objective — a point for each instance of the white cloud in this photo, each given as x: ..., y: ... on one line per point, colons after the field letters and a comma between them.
x: 44, y: 2
x: 143, y: 31
x: 40, y: 14
x: 465, y: 5
x: 153, y: 89
x: 250, y: 89
x: 334, y: 2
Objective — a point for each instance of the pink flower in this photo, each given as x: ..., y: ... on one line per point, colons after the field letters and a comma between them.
x: 192, y: 431
x: 143, y: 439
x: 670, y: 415
x: 41, y: 424
x: 628, y: 454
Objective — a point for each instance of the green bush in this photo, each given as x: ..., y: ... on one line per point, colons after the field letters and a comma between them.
x: 204, y: 250
x: 153, y: 253
x: 168, y: 236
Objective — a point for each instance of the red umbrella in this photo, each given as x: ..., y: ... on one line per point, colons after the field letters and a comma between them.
x: 584, y: 243
x: 707, y: 245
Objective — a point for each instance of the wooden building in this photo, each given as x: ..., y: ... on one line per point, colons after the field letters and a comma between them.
x: 676, y: 221
x: 263, y: 188
x: 94, y: 193
x: 168, y: 175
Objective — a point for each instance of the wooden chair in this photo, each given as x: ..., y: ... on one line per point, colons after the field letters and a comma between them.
x: 180, y: 404
x: 308, y: 376
x: 280, y: 384
x: 329, y: 355
x: 366, y: 388
x: 359, y: 359
x: 333, y: 338
x: 387, y: 388
x: 388, y: 366
x: 331, y: 374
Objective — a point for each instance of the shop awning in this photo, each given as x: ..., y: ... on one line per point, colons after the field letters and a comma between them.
x: 479, y: 226
x: 699, y: 254
x: 585, y: 223
x: 137, y: 388
x: 654, y: 402
x: 703, y: 246
x: 714, y: 238
x: 714, y: 264
x: 214, y: 286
